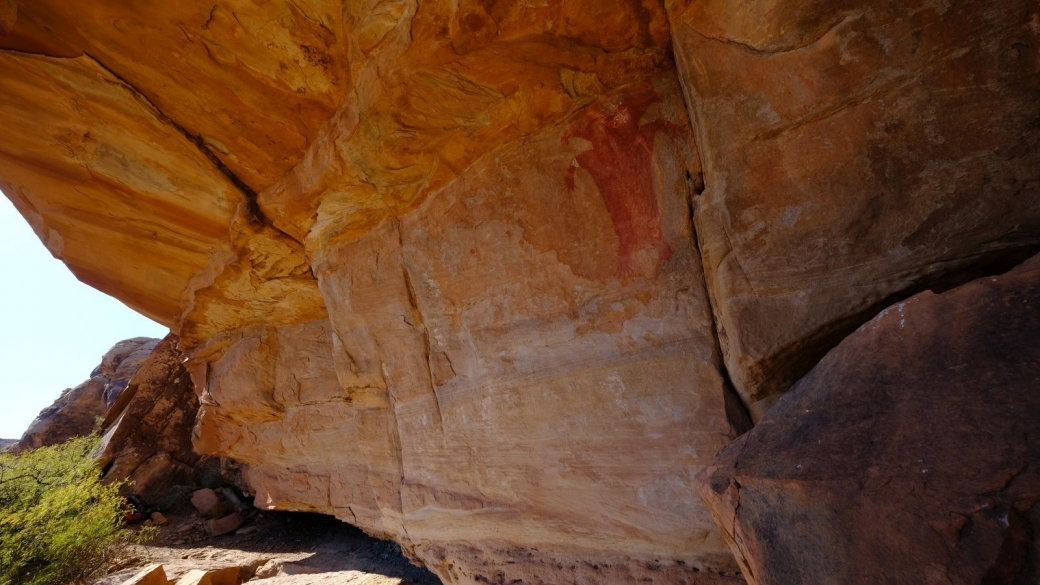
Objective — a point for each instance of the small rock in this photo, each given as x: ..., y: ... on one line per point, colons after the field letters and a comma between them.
x: 268, y: 569
x: 150, y: 575
x: 232, y: 498
x: 298, y: 569
x: 224, y: 525
x: 246, y: 530
x: 249, y: 571
x: 227, y: 576
x: 280, y: 568
x: 159, y: 519
x: 205, y: 501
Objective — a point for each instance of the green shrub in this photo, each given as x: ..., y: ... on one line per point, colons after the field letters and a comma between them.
x: 57, y: 520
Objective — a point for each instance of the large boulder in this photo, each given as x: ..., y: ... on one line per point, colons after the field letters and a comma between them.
x: 855, y: 152
x: 147, y: 438
x: 8, y: 15
x: 142, y: 400
x: 908, y: 455
x: 77, y: 411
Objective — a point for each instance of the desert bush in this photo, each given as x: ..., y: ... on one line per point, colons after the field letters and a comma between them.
x: 57, y: 520
x: 208, y: 473
x: 175, y: 499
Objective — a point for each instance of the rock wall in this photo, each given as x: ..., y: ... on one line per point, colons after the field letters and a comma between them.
x: 497, y: 279
x: 523, y: 368
x: 855, y: 152
x: 77, y: 412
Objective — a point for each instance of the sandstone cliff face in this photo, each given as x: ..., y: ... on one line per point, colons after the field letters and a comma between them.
x: 76, y: 412
x: 523, y: 368
x: 478, y: 275
x: 908, y: 455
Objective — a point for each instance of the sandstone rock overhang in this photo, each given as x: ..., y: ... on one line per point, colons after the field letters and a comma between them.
x: 477, y: 275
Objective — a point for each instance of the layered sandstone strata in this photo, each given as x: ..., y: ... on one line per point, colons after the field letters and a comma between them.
x: 517, y: 378
x: 437, y: 265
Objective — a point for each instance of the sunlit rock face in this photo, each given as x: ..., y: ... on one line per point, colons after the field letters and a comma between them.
x: 437, y: 266
x: 520, y: 371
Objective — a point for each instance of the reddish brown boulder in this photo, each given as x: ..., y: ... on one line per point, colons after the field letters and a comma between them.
x: 908, y: 455
x: 219, y: 526
x: 75, y: 413
x: 148, y: 430
x: 8, y: 15
x: 205, y: 500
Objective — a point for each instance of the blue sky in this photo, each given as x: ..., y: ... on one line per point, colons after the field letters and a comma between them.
x: 53, y: 328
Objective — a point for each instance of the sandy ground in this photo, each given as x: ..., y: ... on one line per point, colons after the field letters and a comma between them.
x: 319, y: 549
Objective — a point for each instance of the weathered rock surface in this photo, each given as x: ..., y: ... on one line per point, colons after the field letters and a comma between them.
x: 330, y: 116
x: 76, y: 412
x: 854, y: 152
x: 543, y: 428
x: 147, y: 433
x: 435, y: 263
x: 908, y: 455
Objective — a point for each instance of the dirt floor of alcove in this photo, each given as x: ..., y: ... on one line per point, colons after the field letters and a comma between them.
x: 320, y: 549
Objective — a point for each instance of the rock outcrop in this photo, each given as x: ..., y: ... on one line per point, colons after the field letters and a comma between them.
x: 147, y: 433
x: 142, y: 400
x: 908, y: 455
x: 855, y: 152
x: 77, y: 411
x: 497, y: 279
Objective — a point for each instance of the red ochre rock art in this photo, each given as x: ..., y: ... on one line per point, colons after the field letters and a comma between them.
x: 620, y: 164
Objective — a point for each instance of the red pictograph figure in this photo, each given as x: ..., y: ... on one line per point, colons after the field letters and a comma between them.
x: 619, y: 162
